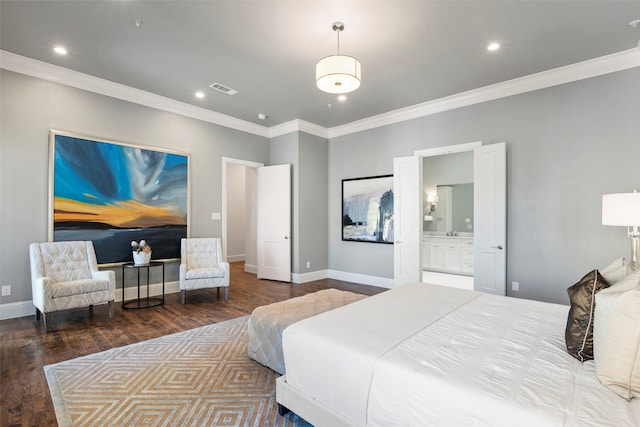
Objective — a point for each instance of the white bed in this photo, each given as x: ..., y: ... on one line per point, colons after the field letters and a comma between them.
x: 422, y: 355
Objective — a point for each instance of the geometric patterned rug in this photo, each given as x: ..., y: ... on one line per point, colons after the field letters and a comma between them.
x: 199, y: 377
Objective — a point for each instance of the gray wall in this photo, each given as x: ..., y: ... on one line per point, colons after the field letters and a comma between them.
x: 313, y: 199
x: 566, y: 146
x: 30, y: 107
x: 308, y: 156
x: 251, y: 223
x: 236, y: 212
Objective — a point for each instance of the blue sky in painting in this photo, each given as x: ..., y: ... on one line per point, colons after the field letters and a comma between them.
x: 103, y: 173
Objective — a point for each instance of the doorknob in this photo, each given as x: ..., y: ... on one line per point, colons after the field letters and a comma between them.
x: 286, y: 237
x: 499, y: 247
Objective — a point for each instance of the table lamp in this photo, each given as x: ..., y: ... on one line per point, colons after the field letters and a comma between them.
x: 623, y: 209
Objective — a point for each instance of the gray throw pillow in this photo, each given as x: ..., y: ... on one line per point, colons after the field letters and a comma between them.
x: 579, y: 331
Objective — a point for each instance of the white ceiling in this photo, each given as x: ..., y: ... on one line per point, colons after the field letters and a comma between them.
x: 411, y: 51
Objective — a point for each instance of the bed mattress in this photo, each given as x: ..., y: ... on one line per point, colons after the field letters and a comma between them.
x: 427, y: 355
x: 331, y: 356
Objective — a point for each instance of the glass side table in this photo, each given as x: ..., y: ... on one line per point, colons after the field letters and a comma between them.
x: 142, y: 302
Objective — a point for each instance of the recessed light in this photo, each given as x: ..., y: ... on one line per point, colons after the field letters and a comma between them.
x: 342, y: 98
x: 493, y: 46
x: 262, y: 116
x: 60, y: 50
x: 199, y: 95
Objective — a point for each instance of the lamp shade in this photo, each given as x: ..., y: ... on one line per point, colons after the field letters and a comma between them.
x: 338, y: 74
x: 621, y: 209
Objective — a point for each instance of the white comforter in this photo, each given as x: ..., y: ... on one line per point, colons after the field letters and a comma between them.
x: 423, y: 355
x: 331, y: 356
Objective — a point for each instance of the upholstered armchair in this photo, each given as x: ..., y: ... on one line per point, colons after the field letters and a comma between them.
x: 65, y: 275
x: 201, y: 266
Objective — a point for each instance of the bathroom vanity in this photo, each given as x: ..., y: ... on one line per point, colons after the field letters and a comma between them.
x: 448, y: 254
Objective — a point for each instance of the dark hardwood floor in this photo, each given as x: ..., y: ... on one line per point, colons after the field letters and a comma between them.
x: 25, y: 348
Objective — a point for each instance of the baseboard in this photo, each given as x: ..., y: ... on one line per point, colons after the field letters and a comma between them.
x: 342, y: 275
x: 235, y: 258
x: 13, y: 310
x: 155, y: 289
x: 308, y: 277
x: 364, y: 279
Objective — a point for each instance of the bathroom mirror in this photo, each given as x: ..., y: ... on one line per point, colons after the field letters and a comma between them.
x: 452, y: 210
x: 447, y: 183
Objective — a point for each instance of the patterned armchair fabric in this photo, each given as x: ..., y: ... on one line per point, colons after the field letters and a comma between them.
x: 65, y: 275
x: 201, y: 266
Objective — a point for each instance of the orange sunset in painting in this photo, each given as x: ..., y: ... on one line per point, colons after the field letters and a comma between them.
x: 125, y: 214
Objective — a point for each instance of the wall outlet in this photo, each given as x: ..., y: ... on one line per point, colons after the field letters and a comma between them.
x: 515, y: 286
x: 6, y: 290
x: 308, y: 264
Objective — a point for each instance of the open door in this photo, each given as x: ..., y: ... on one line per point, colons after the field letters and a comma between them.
x: 490, y: 206
x: 274, y: 223
x: 407, y: 223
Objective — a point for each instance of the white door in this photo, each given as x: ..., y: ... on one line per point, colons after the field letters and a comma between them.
x: 407, y: 219
x: 490, y: 210
x: 274, y: 223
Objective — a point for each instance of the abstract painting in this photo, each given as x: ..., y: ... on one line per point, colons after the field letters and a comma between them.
x: 112, y: 193
x: 367, y: 209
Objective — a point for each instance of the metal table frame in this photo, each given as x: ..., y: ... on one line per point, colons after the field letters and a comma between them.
x: 142, y: 302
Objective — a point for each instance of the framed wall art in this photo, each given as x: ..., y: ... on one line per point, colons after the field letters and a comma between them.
x: 367, y: 209
x: 113, y: 193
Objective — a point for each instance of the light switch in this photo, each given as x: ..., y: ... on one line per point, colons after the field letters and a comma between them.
x: 215, y: 216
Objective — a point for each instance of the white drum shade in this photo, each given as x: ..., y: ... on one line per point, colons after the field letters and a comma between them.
x: 338, y: 74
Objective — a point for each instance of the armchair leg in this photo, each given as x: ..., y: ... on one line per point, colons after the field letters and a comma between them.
x: 226, y: 293
x: 47, y: 321
x: 183, y: 296
x: 37, y: 314
x: 111, y: 304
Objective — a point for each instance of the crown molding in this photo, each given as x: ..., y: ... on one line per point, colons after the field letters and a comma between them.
x: 298, y: 126
x: 54, y: 73
x: 582, y: 70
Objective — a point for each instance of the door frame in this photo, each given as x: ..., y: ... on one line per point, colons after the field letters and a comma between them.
x: 452, y: 149
x: 448, y: 149
x: 225, y: 162
x: 439, y: 151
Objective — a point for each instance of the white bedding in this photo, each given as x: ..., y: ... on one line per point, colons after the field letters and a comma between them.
x: 423, y: 355
x: 495, y: 361
x: 331, y: 356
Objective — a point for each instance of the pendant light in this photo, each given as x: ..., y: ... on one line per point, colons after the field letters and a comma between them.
x: 338, y: 73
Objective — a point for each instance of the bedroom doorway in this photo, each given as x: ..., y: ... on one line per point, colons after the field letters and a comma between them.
x: 239, y: 213
x: 489, y: 207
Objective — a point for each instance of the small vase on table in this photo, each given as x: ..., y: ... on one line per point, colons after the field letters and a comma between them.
x: 141, y: 252
x: 141, y: 258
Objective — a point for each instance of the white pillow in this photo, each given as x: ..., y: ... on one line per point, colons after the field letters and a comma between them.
x: 616, y: 271
x: 616, y: 337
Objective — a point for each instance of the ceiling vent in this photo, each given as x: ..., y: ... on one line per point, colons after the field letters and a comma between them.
x: 222, y: 88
